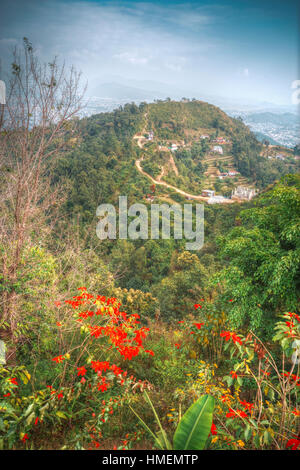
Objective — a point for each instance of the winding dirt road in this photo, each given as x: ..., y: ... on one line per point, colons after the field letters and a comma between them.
x: 167, y: 185
x: 140, y: 139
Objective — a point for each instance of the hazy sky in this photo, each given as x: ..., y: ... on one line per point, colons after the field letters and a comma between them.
x: 236, y: 49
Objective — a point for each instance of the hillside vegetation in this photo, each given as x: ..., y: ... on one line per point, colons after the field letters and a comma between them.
x: 88, y: 326
x: 105, y: 152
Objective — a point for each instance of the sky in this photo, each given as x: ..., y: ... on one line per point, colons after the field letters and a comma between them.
x: 241, y: 50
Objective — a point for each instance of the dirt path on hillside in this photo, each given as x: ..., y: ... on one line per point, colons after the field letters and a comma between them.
x: 170, y: 186
x: 140, y: 139
x: 173, y: 165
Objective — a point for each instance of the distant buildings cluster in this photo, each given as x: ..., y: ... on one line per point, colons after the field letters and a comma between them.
x: 243, y: 192
x: 221, y: 140
x: 279, y: 156
x: 239, y: 193
x: 218, y: 149
x: 229, y: 174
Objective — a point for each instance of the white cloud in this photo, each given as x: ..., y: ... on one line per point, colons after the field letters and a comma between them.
x: 186, y: 45
x: 132, y: 58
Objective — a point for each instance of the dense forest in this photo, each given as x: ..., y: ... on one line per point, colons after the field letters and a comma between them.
x: 94, y: 333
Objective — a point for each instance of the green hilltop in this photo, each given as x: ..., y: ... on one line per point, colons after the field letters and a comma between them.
x: 107, y: 146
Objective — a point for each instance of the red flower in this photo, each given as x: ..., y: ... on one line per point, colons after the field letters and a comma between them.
x: 198, y: 325
x: 81, y: 371
x: 197, y: 306
x: 213, y: 429
x: 25, y: 437
x: 225, y: 399
x: 60, y: 395
x: 99, y: 366
x: 233, y: 374
x: 236, y: 339
x: 227, y: 335
x: 294, y: 443
x: 13, y: 380
x: 246, y: 405
x: 149, y: 352
x: 58, y: 359
x: 294, y: 377
x: 235, y: 413
x: 36, y: 421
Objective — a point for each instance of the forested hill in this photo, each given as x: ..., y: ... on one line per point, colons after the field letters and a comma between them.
x: 103, y: 151
x: 89, y: 324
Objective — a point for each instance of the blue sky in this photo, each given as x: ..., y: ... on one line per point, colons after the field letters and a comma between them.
x: 245, y: 50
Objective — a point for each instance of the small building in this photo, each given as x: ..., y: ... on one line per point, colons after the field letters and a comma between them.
x: 220, y: 140
x: 173, y: 147
x: 207, y: 193
x: 221, y: 176
x: 280, y: 156
x: 150, y: 135
x: 216, y: 200
x: 218, y: 149
x: 243, y: 192
x: 233, y: 173
x: 204, y: 136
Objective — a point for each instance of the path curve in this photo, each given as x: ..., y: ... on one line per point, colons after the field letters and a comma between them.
x: 141, y: 138
x: 180, y: 191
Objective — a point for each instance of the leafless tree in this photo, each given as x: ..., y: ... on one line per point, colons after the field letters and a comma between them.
x: 42, y: 103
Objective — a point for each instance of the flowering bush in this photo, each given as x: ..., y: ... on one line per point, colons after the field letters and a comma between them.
x: 257, y: 402
x: 91, y: 382
x: 104, y: 358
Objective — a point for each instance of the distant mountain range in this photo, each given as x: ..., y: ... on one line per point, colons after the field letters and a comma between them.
x: 125, y: 92
x: 116, y: 87
x: 280, y: 124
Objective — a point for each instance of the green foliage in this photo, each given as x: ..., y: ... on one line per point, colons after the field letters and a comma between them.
x: 263, y: 259
x: 194, y: 427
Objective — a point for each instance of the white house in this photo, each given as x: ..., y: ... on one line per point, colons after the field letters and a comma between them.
x: 280, y: 157
x: 218, y: 149
x: 207, y: 193
x: 243, y: 192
